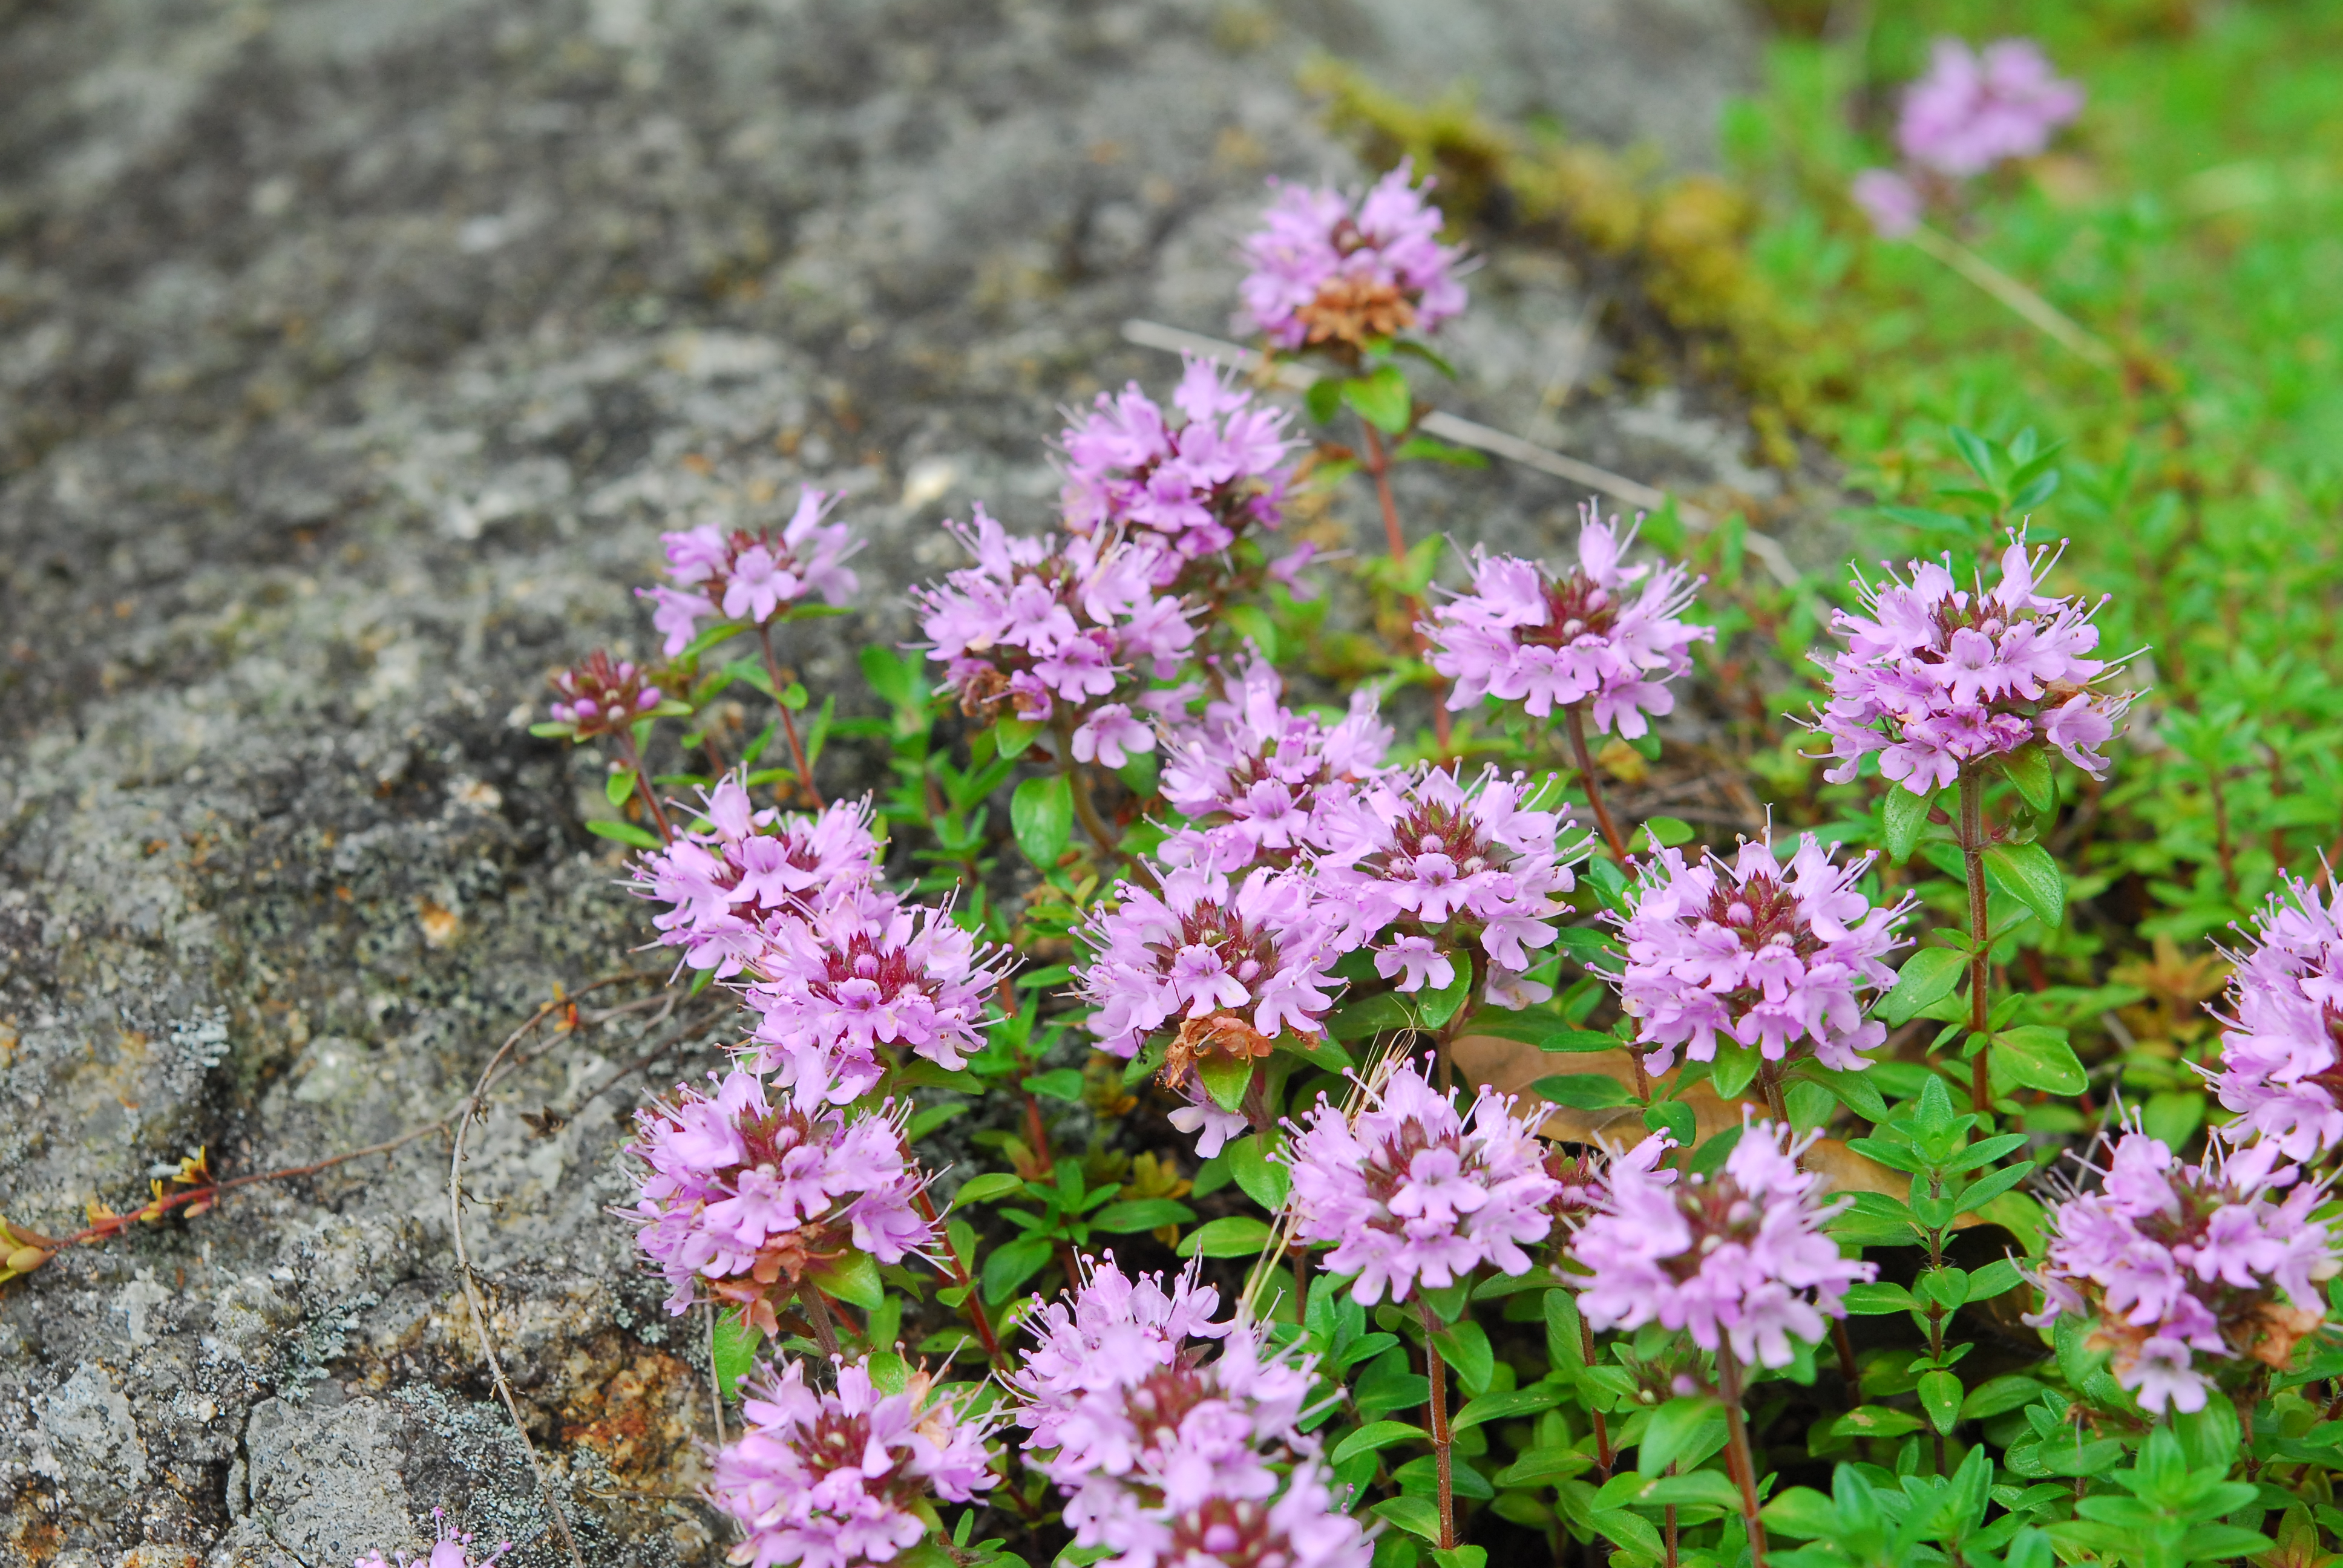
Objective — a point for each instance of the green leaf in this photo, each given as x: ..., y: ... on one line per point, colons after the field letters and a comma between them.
x: 1668, y: 831
x: 2028, y: 874
x: 1908, y: 814
x: 1424, y: 447
x: 1675, y: 1118
x: 1466, y: 1349
x: 1544, y: 1466
x: 1374, y: 1015
x: 793, y: 697
x: 1226, y: 1078
x: 1323, y: 399
x: 1700, y: 1488
x: 992, y: 1184
x: 1506, y: 1406
x: 1376, y: 1435
x: 1381, y: 399
x: 1584, y: 1090
x: 1940, y: 1395
x: 1041, y: 814
x: 1251, y: 621
x: 1234, y: 1236
x: 1926, y: 978
x: 553, y: 729
x: 852, y: 1279
x: 1262, y: 1180
x: 1853, y: 1089
x: 1440, y: 1005
x: 1140, y: 1214
x: 1876, y: 1300
x: 1416, y: 1515
x: 1802, y: 1514
x: 1736, y: 1069
x: 734, y: 1351
x: 1994, y: 1279
x: 1874, y: 1421
x: 1680, y: 1428
x: 1544, y: 1031
x: 1011, y: 736
x: 2028, y: 767
x: 1460, y: 1556
x: 2038, y: 1057
x: 1999, y: 1396
x: 623, y: 832
x: 1059, y: 1083
x: 1011, y: 1265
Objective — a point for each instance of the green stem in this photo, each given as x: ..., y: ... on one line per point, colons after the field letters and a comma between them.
x: 1973, y: 841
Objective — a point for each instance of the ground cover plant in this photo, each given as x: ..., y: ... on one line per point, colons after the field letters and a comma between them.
x: 1110, y: 1168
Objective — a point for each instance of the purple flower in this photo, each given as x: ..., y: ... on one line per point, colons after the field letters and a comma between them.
x: 1410, y: 1190
x: 2282, y: 1057
x: 1325, y: 272
x: 1167, y: 1459
x: 1036, y: 623
x: 1736, y: 1258
x: 1109, y: 1336
x: 1109, y: 737
x: 603, y: 696
x: 829, y: 1480
x: 2176, y: 1260
x: 1196, y: 485
x: 1973, y: 110
x: 1937, y: 679
x: 836, y: 985
x: 1890, y: 199
x: 1422, y: 855
x: 752, y: 577
x: 1586, y: 635
x: 726, y: 888
x: 1238, y: 967
x: 1260, y: 780
x: 1773, y: 958
x: 738, y: 1194
x: 449, y: 1550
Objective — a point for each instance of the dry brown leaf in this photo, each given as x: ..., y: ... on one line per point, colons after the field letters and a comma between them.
x: 1512, y: 1066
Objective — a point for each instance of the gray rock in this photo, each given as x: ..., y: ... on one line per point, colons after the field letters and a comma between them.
x: 352, y: 357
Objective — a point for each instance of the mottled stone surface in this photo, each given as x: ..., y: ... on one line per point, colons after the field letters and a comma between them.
x: 351, y: 357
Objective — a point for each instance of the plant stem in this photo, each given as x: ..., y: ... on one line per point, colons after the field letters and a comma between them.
x: 1736, y: 1430
x: 1668, y: 1524
x: 1440, y: 1441
x: 817, y: 1314
x: 1972, y: 828
x: 789, y: 721
x: 1378, y: 467
x: 633, y: 759
x: 1769, y: 1081
x: 1603, y: 1457
x: 1086, y: 809
x: 1575, y: 715
x: 963, y: 1278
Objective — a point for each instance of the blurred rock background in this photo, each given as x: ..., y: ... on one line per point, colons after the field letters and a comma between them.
x: 352, y: 357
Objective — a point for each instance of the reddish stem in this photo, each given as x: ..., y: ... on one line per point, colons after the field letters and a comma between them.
x: 1378, y: 467
x: 788, y: 722
x: 1575, y: 719
x: 961, y: 1278
x: 1442, y: 1443
x: 1972, y: 829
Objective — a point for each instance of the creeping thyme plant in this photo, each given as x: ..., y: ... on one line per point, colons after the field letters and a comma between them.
x: 1247, y: 1096
x: 1363, y: 1132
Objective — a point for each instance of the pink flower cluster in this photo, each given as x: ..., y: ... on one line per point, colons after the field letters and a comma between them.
x: 1587, y: 636
x: 1036, y: 623
x: 832, y: 1479
x: 449, y: 1549
x: 602, y: 696
x: 1971, y: 110
x: 1324, y: 270
x: 1262, y: 782
x: 1195, y: 485
x: 1775, y: 958
x: 860, y: 972
x: 1738, y: 1259
x: 1423, y: 866
x: 741, y: 1195
x: 1937, y: 679
x: 728, y: 888
x: 2282, y: 1057
x: 2173, y: 1260
x: 1410, y: 1190
x: 1237, y: 966
x: 1166, y: 1459
x: 751, y: 577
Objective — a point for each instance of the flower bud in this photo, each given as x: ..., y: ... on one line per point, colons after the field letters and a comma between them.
x: 25, y: 1260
